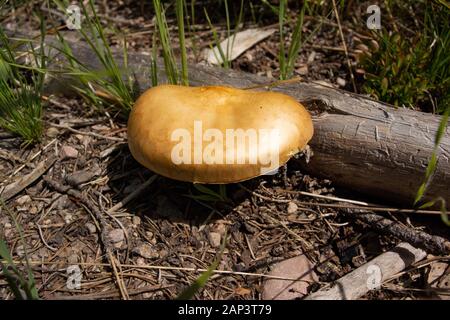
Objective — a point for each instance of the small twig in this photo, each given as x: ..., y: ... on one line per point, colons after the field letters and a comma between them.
x: 120, y: 283
x: 17, y: 186
x: 320, y: 196
x: 56, y: 103
x: 352, y: 77
x: 433, y: 244
x: 249, y: 245
x: 109, y: 294
x: 132, y: 195
x: 93, y: 134
x: 370, y: 208
x: 41, y: 235
x: 33, y: 157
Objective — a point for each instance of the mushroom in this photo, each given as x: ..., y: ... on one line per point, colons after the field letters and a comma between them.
x: 216, y: 134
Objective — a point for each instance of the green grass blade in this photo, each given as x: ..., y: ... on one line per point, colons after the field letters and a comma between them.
x: 181, y: 36
x: 170, y: 65
x: 201, y: 281
x: 282, y: 54
x: 28, y: 286
x: 433, y: 161
x: 223, y: 56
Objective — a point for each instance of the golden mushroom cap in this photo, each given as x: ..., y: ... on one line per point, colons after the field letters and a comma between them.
x: 216, y: 134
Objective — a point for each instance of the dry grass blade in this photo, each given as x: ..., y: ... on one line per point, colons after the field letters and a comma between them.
x: 344, y: 44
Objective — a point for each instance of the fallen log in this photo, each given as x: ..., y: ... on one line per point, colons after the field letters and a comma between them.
x: 371, y: 275
x: 360, y: 144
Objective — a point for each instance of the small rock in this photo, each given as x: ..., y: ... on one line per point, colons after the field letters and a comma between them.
x: 91, y: 227
x: 23, y: 199
x: 69, y: 152
x: 248, y: 56
x: 33, y: 210
x: 341, y: 82
x: 220, y: 227
x: 81, y: 176
x: 52, y: 132
x: 214, y: 239
x: 68, y: 218
x: 20, y: 250
x: 311, y: 57
x: 303, y: 70
x: 140, y: 261
x: 292, y: 208
x: 299, y: 268
x: 116, y: 237
x: 62, y: 202
x: 7, y: 225
x: 136, y: 220
x: 148, y: 295
x: 146, y: 251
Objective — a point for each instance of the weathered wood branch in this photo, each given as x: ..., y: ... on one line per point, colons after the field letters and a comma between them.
x: 418, y: 238
x: 370, y: 275
x: 360, y: 144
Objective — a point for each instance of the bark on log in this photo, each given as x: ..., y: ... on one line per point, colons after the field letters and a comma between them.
x: 371, y: 275
x: 358, y: 143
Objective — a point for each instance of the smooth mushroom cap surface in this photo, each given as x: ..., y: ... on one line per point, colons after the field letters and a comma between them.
x: 164, y: 116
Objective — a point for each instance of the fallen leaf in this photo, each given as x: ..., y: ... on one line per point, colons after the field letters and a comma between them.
x: 242, y: 41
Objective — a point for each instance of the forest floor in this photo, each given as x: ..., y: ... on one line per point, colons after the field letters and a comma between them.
x: 161, y: 238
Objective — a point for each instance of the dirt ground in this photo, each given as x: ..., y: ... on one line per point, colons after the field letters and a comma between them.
x: 162, y: 237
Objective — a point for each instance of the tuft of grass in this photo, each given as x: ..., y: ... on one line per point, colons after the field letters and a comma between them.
x: 20, y: 90
x: 22, y: 287
x: 115, y: 87
x: 153, y: 65
x: 413, y: 71
x: 170, y: 65
x: 180, y: 6
x: 287, y: 62
x: 174, y: 76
